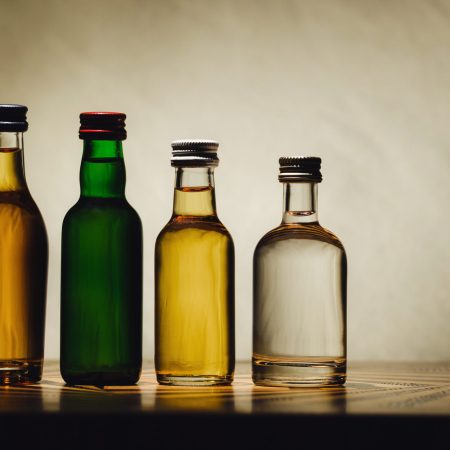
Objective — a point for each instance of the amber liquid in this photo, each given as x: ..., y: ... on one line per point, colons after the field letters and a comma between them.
x: 194, y: 294
x: 23, y: 275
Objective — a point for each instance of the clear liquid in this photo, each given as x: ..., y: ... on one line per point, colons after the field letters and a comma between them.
x: 299, y: 307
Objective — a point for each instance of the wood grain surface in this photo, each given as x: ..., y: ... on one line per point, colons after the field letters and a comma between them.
x: 381, y: 389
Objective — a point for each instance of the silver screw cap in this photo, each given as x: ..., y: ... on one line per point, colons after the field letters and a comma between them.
x: 194, y: 153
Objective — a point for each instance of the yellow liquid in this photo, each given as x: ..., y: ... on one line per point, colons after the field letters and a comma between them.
x: 23, y: 276
x: 194, y: 294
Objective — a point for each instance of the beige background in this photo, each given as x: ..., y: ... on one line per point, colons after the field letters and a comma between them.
x: 364, y: 84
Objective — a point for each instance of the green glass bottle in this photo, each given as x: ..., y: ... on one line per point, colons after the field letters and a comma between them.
x: 101, y: 265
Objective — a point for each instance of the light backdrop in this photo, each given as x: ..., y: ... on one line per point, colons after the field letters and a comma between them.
x: 364, y: 84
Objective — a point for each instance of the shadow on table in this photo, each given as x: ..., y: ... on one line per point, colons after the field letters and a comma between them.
x: 302, y: 400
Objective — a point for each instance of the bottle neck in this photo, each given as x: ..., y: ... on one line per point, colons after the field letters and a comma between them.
x: 102, y: 173
x: 300, y: 203
x: 12, y: 173
x: 194, y: 192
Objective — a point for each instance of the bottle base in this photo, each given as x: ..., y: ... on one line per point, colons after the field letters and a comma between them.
x: 16, y: 371
x: 101, y: 379
x: 307, y: 372
x: 201, y: 380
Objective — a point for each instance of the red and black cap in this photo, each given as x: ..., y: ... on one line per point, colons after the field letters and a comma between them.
x: 103, y: 126
x: 13, y: 118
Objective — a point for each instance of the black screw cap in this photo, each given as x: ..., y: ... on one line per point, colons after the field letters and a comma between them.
x: 13, y: 118
x: 300, y: 168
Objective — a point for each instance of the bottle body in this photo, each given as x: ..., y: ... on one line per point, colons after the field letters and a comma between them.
x: 101, y: 279
x: 194, y: 292
x: 299, y: 307
x: 23, y: 274
x: 299, y: 299
x: 101, y: 294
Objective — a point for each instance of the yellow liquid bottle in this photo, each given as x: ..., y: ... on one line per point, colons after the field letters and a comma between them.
x: 194, y: 276
x: 23, y: 260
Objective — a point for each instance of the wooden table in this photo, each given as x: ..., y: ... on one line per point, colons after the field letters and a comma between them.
x: 381, y: 405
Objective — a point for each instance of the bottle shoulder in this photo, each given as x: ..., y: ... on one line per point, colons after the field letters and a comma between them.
x: 86, y: 209
x: 20, y: 213
x: 181, y: 225
x: 307, y: 231
x: 21, y: 200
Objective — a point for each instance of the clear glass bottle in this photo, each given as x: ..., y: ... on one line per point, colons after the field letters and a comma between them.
x: 299, y: 292
x: 101, y: 265
x: 23, y: 259
x: 194, y: 278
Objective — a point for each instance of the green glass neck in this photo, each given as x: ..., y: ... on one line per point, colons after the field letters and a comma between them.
x: 102, y: 173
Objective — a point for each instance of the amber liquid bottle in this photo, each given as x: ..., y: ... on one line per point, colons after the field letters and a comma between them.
x: 300, y: 289
x: 101, y: 265
x: 23, y: 259
x: 194, y: 278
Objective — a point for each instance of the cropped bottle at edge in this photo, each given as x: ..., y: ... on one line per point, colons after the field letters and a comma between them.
x: 194, y: 278
x: 23, y: 259
x: 300, y: 279
x: 101, y: 278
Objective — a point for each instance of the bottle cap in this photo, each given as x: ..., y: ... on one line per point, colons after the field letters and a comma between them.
x: 103, y: 126
x: 300, y: 168
x: 13, y: 118
x: 194, y: 153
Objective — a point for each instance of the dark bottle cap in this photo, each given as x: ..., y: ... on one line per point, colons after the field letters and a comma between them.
x: 194, y: 153
x: 103, y: 126
x: 13, y: 118
x: 300, y: 168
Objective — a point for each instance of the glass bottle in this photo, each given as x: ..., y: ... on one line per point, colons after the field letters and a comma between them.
x: 23, y: 259
x: 299, y: 290
x: 101, y: 273
x: 194, y: 277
